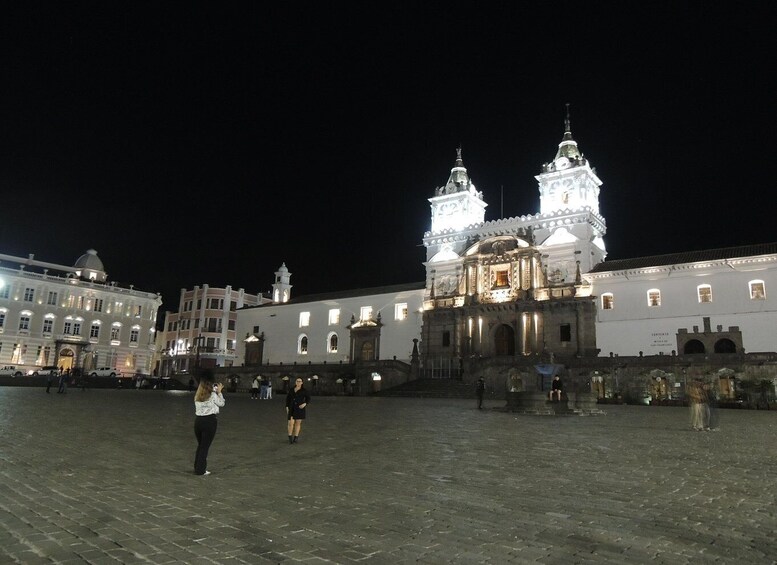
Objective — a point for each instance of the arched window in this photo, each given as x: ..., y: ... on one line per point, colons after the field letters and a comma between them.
x: 331, y: 343
x: 608, y: 302
x: 302, y: 344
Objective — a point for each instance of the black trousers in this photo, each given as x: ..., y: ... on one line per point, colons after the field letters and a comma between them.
x: 205, y: 431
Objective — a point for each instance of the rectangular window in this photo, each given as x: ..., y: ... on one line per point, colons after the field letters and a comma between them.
x: 400, y: 311
x: 48, y: 325
x: 216, y: 304
x: 501, y: 278
x: 138, y: 310
x: 24, y: 322
x: 334, y: 316
x: 80, y: 302
x: 94, y: 331
x: 115, y: 333
x: 256, y: 329
x: 446, y: 338
x: 2, y: 319
x: 757, y: 290
x: 608, y: 302
x: 52, y: 299
x: 365, y: 313
x: 98, y: 304
x: 4, y: 290
x: 304, y: 319
x: 565, y: 332
x: 232, y: 306
x: 134, y: 336
x: 77, y: 328
x: 654, y: 297
x: 231, y: 325
x: 705, y: 293
x: 68, y: 328
x: 29, y: 294
x: 196, y: 323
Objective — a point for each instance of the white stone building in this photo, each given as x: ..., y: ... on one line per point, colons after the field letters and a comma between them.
x: 644, y: 304
x: 338, y: 327
x: 72, y: 317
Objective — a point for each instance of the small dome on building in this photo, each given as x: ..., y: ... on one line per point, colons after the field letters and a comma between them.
x: 89, y: 266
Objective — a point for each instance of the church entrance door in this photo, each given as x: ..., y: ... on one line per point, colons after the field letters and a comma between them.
x: 504, y: 340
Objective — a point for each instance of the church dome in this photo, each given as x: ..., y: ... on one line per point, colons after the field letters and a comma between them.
x: 90, y: 266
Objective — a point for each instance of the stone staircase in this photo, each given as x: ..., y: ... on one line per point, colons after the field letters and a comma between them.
x: 431, y: 388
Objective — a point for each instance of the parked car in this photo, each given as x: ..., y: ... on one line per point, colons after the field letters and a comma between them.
x: 10, y: 371
x: 45, y: 371
x: 104, y: 372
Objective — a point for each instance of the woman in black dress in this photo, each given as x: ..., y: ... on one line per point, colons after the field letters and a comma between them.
x: 296, y: 402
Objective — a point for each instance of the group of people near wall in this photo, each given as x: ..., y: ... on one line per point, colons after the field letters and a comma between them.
x: 261, y: 388
x: 209, y: 399
x: 703, y: 403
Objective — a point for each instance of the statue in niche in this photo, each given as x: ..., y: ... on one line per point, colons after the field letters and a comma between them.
x: 447, y: 285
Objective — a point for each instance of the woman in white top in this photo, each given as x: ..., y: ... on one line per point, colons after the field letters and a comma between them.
x: 207, y: 401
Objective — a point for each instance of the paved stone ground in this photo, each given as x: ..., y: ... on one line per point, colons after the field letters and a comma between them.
x: 104, y: 476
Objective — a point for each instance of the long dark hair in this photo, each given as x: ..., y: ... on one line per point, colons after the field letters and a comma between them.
x: 205, y: 387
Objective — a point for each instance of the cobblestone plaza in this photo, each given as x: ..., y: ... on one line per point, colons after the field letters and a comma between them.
x: 105, y: 476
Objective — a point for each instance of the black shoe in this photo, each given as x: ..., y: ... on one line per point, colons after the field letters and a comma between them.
x: 295, y: 439
x: 290, y: 440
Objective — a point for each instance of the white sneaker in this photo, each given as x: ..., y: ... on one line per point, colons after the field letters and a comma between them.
x: 206, y: 473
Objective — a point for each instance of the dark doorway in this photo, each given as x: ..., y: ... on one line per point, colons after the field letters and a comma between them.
x: 693, y: 347
x: 725, y: 346
x: 504, y: 340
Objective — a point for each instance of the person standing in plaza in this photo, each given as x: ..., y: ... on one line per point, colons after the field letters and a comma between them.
x: 296, y: 402
x: 64, y: 376
x: 713, y: 417
x: 207, y: 401
x: 697, y: 405
x: 480, y: 389
x: 255, y: 388
x: 50, y: 379
x: 262, y: 388
x: 269, y: 388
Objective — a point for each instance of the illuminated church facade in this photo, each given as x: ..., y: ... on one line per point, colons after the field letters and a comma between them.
x: 528, y: 289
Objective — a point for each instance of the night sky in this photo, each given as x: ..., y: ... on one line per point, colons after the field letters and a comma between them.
x: 195, y: 143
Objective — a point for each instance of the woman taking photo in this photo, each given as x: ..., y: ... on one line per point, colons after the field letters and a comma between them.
x: 207, y: 401
x: 296, y: 401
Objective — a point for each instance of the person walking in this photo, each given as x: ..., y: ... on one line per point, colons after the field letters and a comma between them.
x: 480, y: 389
x: 262, y: 388
x: 207, y: 401
x: 255, y: 388
x: 50, y: 379
x: 296, y: 402
x: 63, y: 378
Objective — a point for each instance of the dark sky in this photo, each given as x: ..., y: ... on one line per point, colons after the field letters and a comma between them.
x: 195, y: 143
